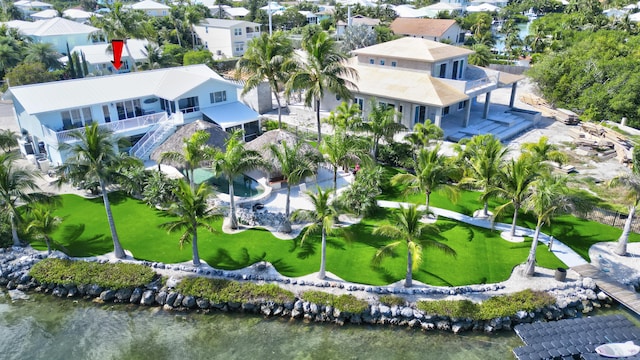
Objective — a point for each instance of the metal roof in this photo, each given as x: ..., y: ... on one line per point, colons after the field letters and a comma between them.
x: 51, y: 27
x: 231, y: 114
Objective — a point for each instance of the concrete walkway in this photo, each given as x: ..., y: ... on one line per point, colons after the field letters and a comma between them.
x: 562, y: 251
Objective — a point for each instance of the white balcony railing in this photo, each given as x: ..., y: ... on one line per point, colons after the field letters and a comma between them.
x: 478, y: 84
x: 119, y: 126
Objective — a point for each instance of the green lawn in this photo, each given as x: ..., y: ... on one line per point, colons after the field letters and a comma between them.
x: 482, y: 255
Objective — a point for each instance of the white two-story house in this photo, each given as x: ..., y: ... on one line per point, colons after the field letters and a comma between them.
x: 226, y: 38
x: 59, y: 32
x: 142, y: 106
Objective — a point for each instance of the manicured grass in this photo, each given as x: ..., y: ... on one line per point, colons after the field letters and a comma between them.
x: 482, y: 255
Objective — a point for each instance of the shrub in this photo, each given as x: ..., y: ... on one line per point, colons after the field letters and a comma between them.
x: 112, y: 276
x: 392, y: 300
x: 347, y: 303
x: 506, y: 305
x: 220, y: 291
x: 395, y: 154
x: 451, y: 308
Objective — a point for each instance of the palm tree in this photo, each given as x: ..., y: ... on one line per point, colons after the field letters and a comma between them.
x: 482, y: 157
x: 195, y: 152
x: 15, y: 183
x: 543, y: 151
x: 342, y: 149
x: 382, y: 124
x: 408, y: 229
x: 322, y: 218
x: 235, y: 161
x: 294, y: 165
x: 94, y: 158
x: 42, y: 222
x: 323, y: 69
x: 154, y: 56
x: 192, y: 211
x: 481, y: 56
x: 122, y: 24
x: 43, y: 53
x: 632, y: 183
x: 431, y: 173
x: 422, y: 134
x: 8, y: 140
x: 550, y: 197
x: 10, y: 53
x: 192, y: 16
x: 345, y: 117
x: 514, y: 184
x: 267, y: 58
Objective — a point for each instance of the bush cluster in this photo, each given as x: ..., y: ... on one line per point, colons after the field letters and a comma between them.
x: 221, y: 291
x: 112, y: 276
x: 347, y: 303
x: 392, y: 300
x: 495, y: 307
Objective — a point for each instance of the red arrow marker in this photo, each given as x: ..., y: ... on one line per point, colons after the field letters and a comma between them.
x: 116, y: 46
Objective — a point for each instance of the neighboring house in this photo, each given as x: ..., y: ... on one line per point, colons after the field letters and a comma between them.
x: 142, y: 106
x: 273, y: 7
x: 484, y: 7
x: 150, y: 8
x: 59, y: 32
x: 356, y: 20
x: 421, y: 79
x: 228, y: 12
x: 28, y: 7
x: 45, y: 14
x: 311, y: 17
x: 498, y: 3
x: 325, y: 12
x: 409, y: 11
x: 78, y: 15
x: 226, y: 38
x: 432, y: 29
x: 99, y: 57
x: 435, y: 9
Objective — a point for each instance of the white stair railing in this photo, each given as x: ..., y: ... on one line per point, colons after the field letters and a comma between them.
x: 156, y: 136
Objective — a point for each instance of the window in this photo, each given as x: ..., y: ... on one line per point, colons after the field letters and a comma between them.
x: 394, y: 64
x: 400, y: 109
x: 106, y: 113
x: 454, y: 72
x: 372, y: 61
x: 445, y: 111
x: 86, y: 114
x: 382, y: 62
x: 387, y: 105
x: 239, y: 46
x: 359, y: 102
x: 443, y: 70
x: 128, y: 109
x: 461, y: 69
x: 190, y: 104
x: 237, y: 32
x: 76, y: 118
x: 218, y: 96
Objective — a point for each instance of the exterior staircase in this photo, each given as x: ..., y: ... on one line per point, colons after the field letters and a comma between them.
x: 154, y: 137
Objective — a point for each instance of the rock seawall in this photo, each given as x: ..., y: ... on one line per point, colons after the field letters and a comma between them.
x: 14, y: 275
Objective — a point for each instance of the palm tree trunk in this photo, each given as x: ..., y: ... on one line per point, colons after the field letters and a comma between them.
x: 621, y: 248
x: 512, y: 232
x: 530, y: 267
x: 194, y: 246
x: 323, y: 255
x: 318, y: 121
x: 374, y: 153
x: 232, y: 202
x: 286, y: 225
x: 192, y: 180
x: 175, y: 26
x: 14, y: 230
x: 133, y: 61
x: 427, y: 197
x: 279, y: 109
x: 48, y: 242
x: 486, y: 209
x: 408, y: 280
x: 193, y: 37
x: 335, y: 181
x: 117, y: 248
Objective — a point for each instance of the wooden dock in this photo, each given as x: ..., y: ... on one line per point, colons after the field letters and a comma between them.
x: 616, y: 290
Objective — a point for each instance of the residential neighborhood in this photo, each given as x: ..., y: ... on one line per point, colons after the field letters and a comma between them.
x: 439, y: 167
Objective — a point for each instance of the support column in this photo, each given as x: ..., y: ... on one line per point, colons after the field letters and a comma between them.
x: 487, y: 100
x: 467, y: 113
x: 512, y: 100
x: 438, y: 120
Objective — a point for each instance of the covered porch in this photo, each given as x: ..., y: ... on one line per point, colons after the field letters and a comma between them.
x: 234, y: 116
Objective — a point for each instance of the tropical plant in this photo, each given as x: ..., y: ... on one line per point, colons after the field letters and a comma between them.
x: 323, y: 69
x: 42, y: 222
x: 8, y: 140
x: 544, y: 151
x: 193, y: 211
x: 43, y: 53
x: 235, y: 161
x: 193, y: 14
x: 94, y: 158
x: 422, y: 134
x: 408, y: 229
x: 322, y: 217
x: 267, y: 58
x: 381, y: 125
x: 345, y: 117
x: 482, y: 159
x: 432, y: 172
x: 10, y: 53
x: 632, y: 183
x: 16, y: 185
x: 360, y: 198
x: 159, y: 190
x: 343, y: 150
x: 357, y: 37
x: 294, y: 165
x: 194, y: 153
x: 481, y: 56
x: 514, y: 184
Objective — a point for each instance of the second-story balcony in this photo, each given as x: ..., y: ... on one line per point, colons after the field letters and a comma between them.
x: 482, y: 83
x: 117, y: 127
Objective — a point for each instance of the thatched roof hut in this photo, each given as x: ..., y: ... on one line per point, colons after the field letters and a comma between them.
x: 175, y: 142
x: 262, y: 142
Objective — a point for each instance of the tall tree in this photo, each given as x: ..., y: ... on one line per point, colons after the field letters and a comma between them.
x: 323, y: 69
x: 42, y: 222
x: 8, y: 140
x: 16, y: 185
x: 422, y: 134
x: 193, y: 14
x: 632, y: 183
x: 94, y: 157
x: 543, y: 151
x: 381, y: 125
x: 408, y: 229
x: 43, y: 53
x: 343, y: 150
x: 193, y: 212
x: 235, y: 161
x: 294, y: 165
x: 482, y: 55
x: 267, y: 58
x: 195, y: 151
x: 432, y: 172
x: 345, y: 117
x: 322, y: 217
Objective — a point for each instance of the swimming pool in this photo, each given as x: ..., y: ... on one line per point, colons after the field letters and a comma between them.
x: 243, y: 185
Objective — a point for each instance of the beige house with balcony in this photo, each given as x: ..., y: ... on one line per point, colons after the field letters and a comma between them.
x: 424, y: 79
x: 226, y: 38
